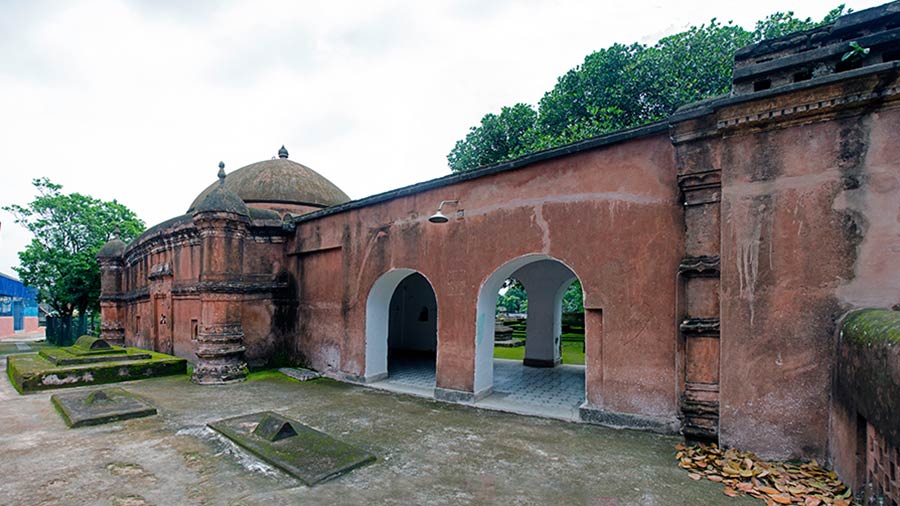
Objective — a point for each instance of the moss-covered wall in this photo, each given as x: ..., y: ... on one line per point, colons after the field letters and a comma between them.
x: 867, y: 376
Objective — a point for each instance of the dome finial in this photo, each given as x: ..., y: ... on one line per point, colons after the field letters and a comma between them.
x: 117, y: 233
x: 282, y: 153
x: 222, y: 173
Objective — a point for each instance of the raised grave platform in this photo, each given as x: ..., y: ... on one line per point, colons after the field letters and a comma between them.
x: 90, y: 361
x: 95, y: 407
x: 305, y: 453
x: 88, y: 349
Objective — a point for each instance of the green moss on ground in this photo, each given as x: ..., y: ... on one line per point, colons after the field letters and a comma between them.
x: 269, y: 374
x: 872, y: 326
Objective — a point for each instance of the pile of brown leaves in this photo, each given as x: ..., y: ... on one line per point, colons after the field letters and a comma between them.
x: 774, y: 482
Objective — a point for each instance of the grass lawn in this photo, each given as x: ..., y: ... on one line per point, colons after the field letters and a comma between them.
x: 571, y: 353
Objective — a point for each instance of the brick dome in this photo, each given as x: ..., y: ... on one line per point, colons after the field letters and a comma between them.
x: 279, y: 182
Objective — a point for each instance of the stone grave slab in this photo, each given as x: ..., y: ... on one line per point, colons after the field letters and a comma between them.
x: 305, y: 453
x: 95, y: 407
x: 299, y: 373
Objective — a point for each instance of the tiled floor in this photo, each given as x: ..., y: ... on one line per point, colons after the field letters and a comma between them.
x: 555, y: 392
x: 412, y: 371
x: 561, y: 386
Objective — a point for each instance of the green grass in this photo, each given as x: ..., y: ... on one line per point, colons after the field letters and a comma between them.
x: 571, y: 353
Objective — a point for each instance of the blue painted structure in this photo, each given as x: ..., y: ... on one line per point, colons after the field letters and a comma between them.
x: 17, y: 301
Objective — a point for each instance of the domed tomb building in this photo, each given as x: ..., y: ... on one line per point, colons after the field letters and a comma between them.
x: 212, y: 285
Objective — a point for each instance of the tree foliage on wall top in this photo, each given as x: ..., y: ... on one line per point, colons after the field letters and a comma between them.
x: 620, y: 87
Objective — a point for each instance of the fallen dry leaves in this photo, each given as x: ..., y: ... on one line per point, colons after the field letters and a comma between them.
x: 774, y: 482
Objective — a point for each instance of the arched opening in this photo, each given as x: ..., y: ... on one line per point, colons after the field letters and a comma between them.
x: 511, y: 329
x: 536, y: 381
x: 401, y: 330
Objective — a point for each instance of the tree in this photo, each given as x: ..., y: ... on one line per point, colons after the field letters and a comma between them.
x: 620, y: 87
x: 69, y: 230
x: 573, y: 299
x: 783, y: 23
x: 497, y: 138
x: 514, y: 299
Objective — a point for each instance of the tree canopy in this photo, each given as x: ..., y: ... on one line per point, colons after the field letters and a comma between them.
x: 620, y: 87
x: 69, y: 230
x: 515, y: 300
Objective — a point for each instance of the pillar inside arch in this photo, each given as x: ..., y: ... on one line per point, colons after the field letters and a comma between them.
x: 545, y: 282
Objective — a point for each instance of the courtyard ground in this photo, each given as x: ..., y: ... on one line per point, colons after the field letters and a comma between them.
x: 428, y: 453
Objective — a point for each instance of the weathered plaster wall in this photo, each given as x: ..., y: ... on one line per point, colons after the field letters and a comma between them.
x: 605, y: 213
x: 809, y: 227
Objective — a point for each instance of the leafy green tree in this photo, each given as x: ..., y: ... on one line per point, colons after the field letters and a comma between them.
x: 620, y: 87
x: 69, y: 230
x: 686, y: 67
x: 783, y: 23
x: 573, y: 299
x: 514, y: 299
x: 602, y: 90
x: 497, y: 138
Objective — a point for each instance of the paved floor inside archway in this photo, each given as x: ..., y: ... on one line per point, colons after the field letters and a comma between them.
x: 554, y: 392
x: 428, y: 453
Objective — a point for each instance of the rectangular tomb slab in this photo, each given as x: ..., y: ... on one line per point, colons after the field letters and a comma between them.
x: 305, y: 453
x: 32, y: 372
x: 95, y: 407
x: 299, y: 373
x: 73, y: 355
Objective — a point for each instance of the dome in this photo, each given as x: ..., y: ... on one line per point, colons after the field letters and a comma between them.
x: 112, y: 249
x: 220, y: 199
x: 279, y: 184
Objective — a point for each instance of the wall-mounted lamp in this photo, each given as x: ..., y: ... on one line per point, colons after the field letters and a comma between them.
x: 439, y: 217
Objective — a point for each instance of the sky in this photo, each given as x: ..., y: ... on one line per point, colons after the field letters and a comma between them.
x: 139, y: 100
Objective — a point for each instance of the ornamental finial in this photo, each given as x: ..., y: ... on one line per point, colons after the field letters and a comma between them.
x: 222, y: 173
x: 282, y: 153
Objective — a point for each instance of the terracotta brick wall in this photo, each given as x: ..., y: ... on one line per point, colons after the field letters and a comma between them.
x: 882, y: 469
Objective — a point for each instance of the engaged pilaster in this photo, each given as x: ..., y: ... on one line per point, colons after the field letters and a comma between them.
x: 222, y: 219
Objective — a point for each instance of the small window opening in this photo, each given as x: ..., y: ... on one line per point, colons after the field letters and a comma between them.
x: 195, y: 329
x: 803, y: 75
x: 890, y: 56
x: 763, y: 84
x: 843, y: 66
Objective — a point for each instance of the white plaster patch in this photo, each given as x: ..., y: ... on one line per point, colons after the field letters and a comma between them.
x: 876, y: 280
x: 53, y: 379
x: 225, y: 446
x: 545, y: 228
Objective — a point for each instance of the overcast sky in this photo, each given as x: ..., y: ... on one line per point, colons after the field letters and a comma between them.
x: 139, y: 100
